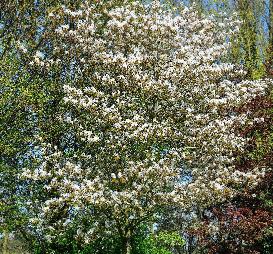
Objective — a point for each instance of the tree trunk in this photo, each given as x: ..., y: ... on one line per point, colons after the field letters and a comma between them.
x: 5, y: 242
x: 126, y: 243
x: 270, y: 28
x: 128, y: 247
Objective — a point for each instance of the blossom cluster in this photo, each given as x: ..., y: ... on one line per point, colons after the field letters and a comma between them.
x: 152, y: 96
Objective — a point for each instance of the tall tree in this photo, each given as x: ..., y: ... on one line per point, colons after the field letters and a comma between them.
x: 146, y: 95
x: 270, y: 27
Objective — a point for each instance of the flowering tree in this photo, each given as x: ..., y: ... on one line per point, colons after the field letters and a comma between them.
x: 151, y: 105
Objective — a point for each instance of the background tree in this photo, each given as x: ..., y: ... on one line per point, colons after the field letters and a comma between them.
x: 29, y: 104
x: 244, y: 224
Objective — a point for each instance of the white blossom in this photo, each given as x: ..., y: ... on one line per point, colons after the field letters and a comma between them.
x: 155, y: 80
